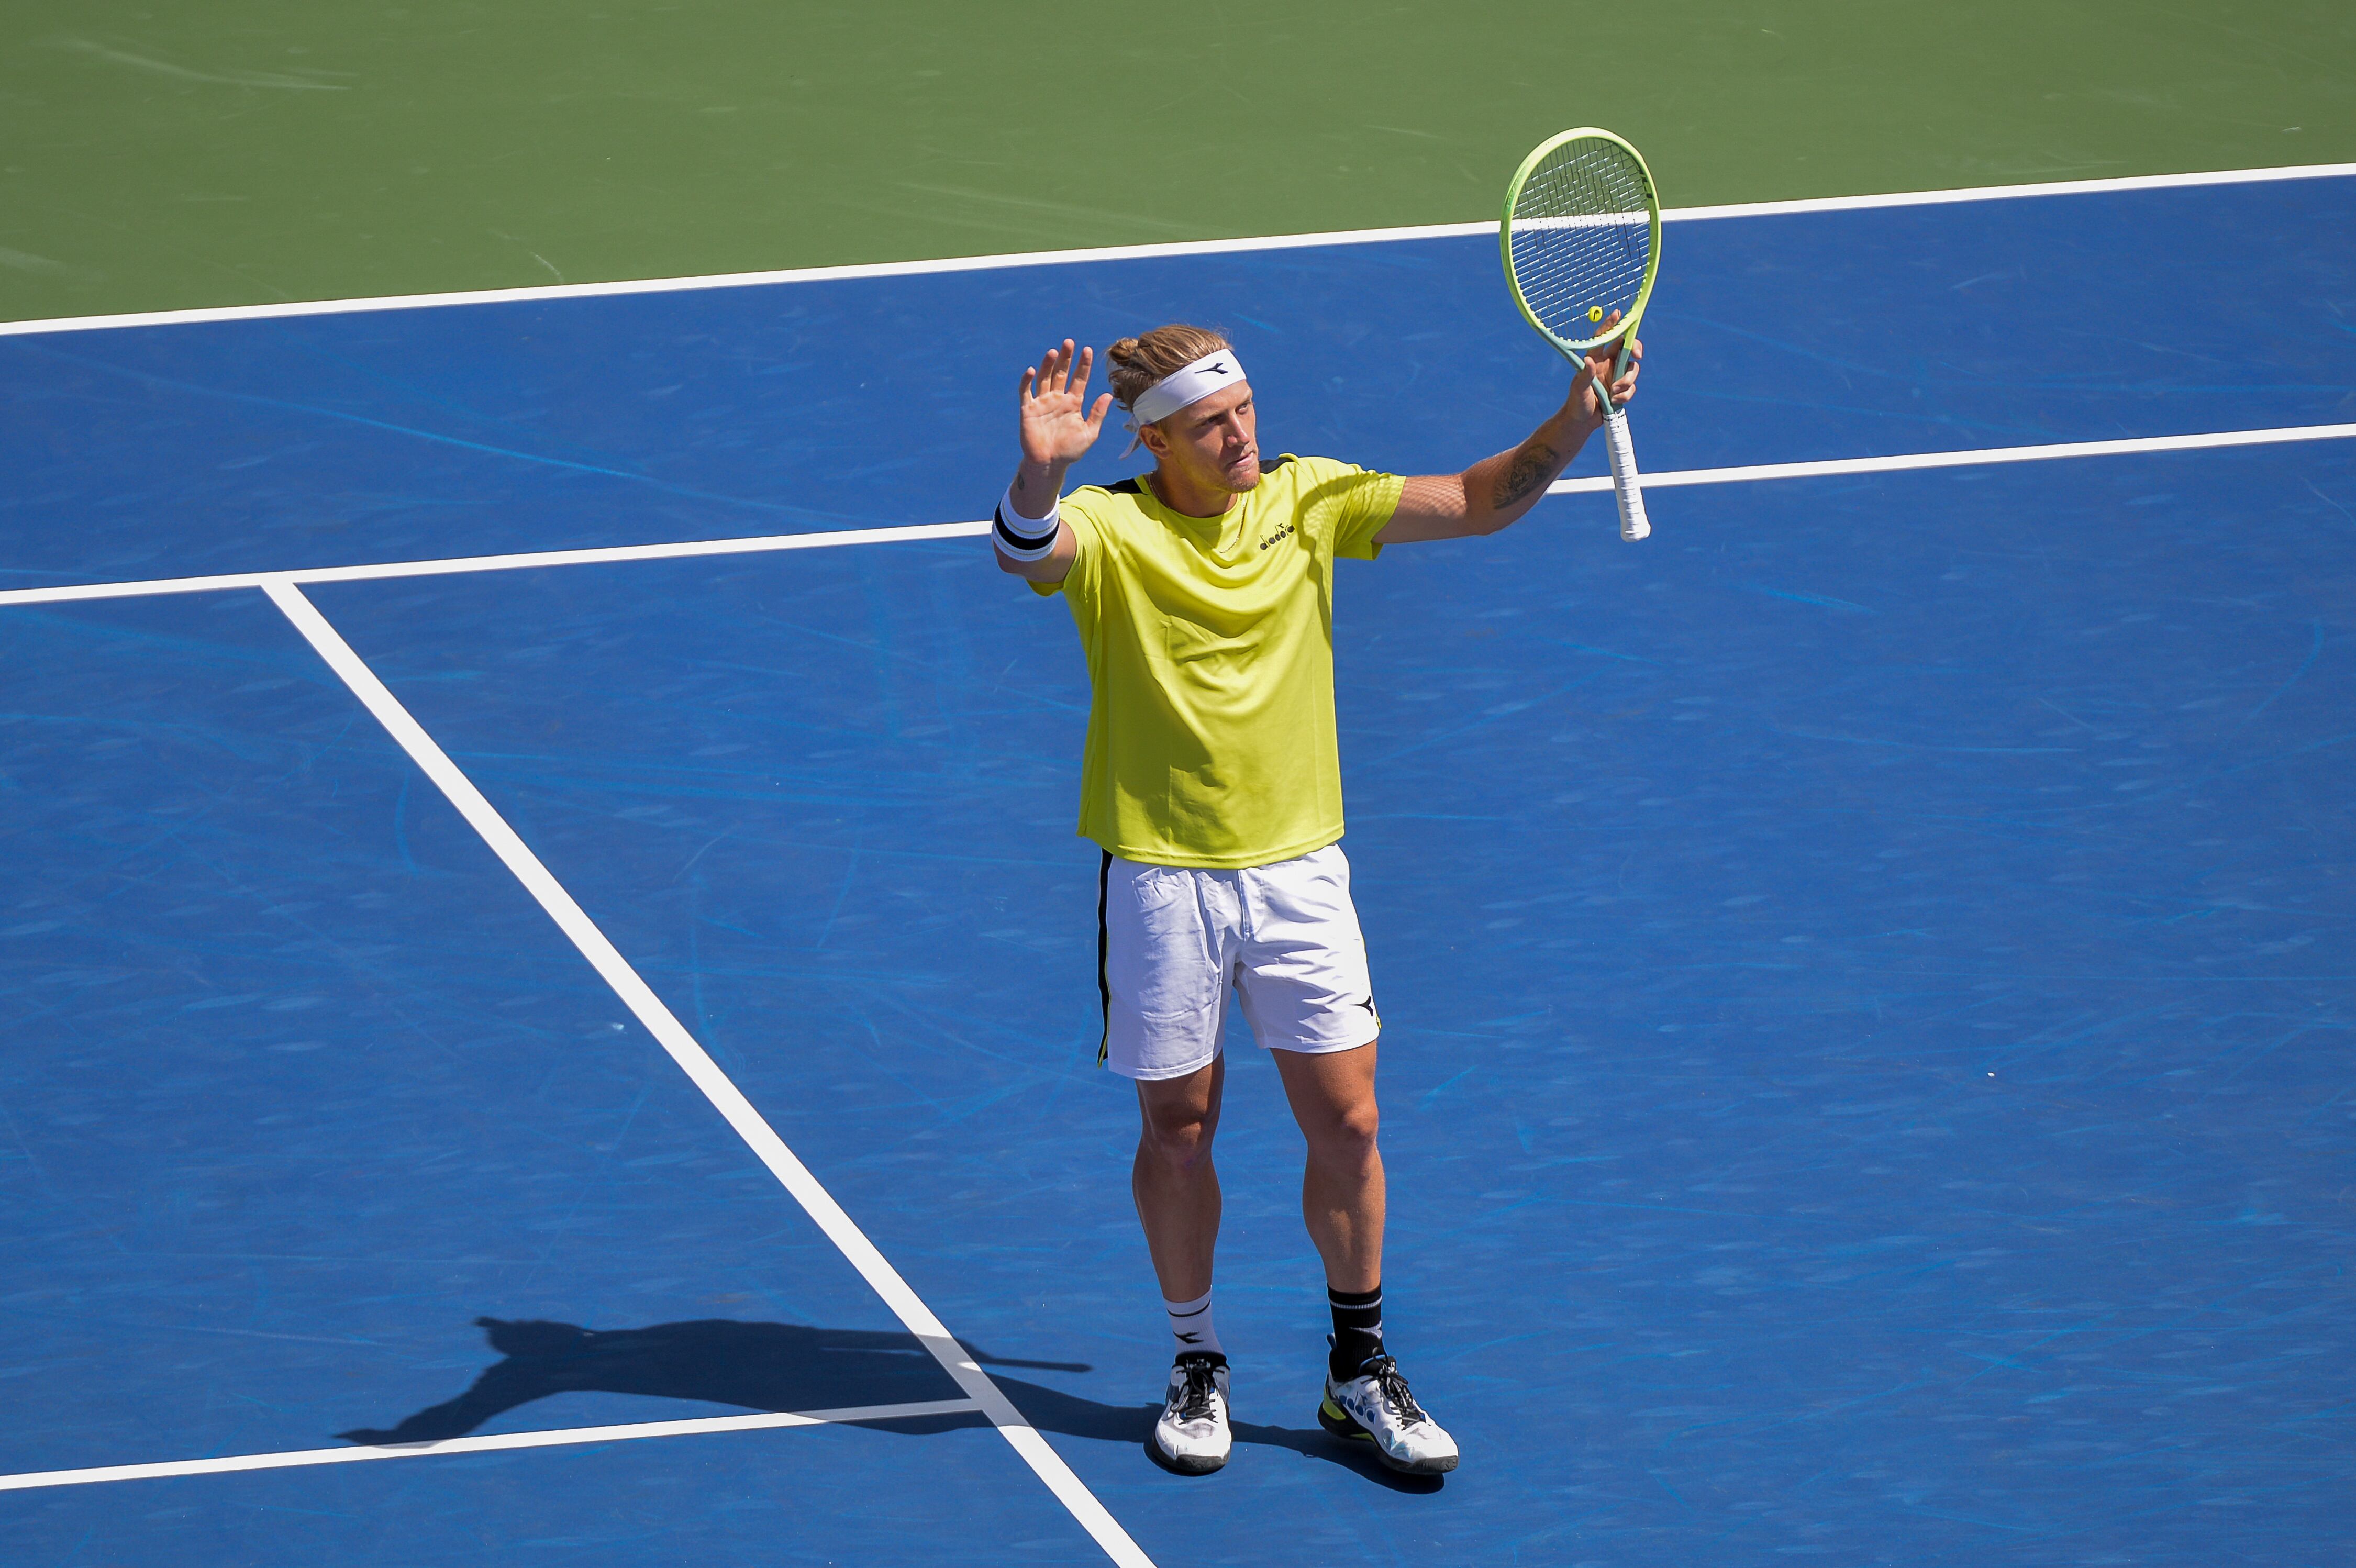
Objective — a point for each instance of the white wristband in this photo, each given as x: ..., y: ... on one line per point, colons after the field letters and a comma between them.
x: 1020, y: 537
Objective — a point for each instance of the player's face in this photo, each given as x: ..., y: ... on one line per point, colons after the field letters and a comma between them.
x: 1214, y: 442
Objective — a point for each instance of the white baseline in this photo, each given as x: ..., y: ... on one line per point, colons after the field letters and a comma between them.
x: 1133, y: 253
x: 738, y: 1111
x: 761, y: 543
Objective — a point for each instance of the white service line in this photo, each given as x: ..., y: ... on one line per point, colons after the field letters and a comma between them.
x: 228, y: 1463
x: 691, y: 1058
x: 1144, y: 252
x: 2128, y: 445
x: 754, y: 545
x: 1749, y: 473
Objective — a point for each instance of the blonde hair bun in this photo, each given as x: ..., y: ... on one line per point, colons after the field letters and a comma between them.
x: 1138, y: 362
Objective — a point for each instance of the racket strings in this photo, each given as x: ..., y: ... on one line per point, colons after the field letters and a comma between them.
x: 1581, y: 238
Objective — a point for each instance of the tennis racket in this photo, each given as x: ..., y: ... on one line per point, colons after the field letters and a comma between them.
x: 1582, y: 239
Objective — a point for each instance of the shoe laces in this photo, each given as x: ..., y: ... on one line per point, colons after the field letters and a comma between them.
x: 1194, y: 1396
x: 1392, y: 1386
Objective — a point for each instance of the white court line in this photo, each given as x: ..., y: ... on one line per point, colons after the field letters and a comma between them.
x: 1584, y: 221
x: 691, y: 1058
x: 1144, y: 252
x: 2130, y: 446
x: 228, y: 1463
x: 761, y: 543
x: 756, y: 545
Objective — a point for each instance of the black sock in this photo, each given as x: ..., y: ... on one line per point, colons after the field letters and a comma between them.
x: 1357, y: 1329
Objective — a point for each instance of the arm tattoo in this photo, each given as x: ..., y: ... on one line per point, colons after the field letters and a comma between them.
x: 1527, y: 472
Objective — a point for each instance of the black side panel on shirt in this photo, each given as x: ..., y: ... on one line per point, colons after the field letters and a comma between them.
x: 1104, y: 949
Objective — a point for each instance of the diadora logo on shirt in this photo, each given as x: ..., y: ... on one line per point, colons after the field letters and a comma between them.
x: 1278, y: 537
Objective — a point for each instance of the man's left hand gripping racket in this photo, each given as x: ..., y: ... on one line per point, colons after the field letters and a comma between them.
x: 1582, y: 239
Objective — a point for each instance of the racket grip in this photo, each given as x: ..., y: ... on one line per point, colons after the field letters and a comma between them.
x: 1627, y: 486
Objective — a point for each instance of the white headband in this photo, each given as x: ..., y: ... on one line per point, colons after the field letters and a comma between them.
x: 1186, y: 384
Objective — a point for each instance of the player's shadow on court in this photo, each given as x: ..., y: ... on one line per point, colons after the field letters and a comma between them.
x: 793, y: 1367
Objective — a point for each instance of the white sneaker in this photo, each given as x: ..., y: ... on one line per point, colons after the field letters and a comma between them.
x: 1375, y: 1407
x: 1192, y: 1435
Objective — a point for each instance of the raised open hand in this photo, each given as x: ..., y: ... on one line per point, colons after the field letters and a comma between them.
x: 1058, y: 426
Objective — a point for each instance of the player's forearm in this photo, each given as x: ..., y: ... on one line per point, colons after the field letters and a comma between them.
x: 1037, y: 487
x: 1492, y: 493
x: 1018, y: 540
x: 1499, y: 490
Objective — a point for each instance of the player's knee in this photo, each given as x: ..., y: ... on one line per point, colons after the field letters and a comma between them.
x: 1178, y: 1136
x: 1347, y: 1134
x: 1180, y: 1150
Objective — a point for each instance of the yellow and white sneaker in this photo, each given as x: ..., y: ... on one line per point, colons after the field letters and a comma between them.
x: 1376, y: 1407
x: 1192, y: 1436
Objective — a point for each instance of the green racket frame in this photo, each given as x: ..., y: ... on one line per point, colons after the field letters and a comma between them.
x: 1627, y: 486
x: 1575, y: 349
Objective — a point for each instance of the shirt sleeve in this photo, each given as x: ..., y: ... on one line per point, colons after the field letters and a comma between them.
x: 1081, y: 584
x: 1351, y: 504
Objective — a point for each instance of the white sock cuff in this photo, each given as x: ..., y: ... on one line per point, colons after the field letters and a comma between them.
x: 1191, y: 1325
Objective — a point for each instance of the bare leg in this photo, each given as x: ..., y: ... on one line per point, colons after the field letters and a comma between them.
x: 1177, y: 1185
x: 1342, y: 1192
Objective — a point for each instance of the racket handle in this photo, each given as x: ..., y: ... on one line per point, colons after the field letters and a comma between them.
x: 1626, y: 484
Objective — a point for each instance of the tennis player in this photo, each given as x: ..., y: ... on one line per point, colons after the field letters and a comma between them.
x: 1204, y: 595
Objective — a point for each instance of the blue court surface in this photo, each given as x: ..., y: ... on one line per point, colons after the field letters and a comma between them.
x: 1868, y: 973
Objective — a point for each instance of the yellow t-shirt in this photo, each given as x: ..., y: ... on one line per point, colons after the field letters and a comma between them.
x: 1210, y: 648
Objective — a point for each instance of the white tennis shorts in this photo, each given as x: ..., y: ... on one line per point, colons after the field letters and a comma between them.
x: 1172, y: 939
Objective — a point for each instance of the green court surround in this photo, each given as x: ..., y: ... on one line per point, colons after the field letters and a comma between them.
x: 166, y: 156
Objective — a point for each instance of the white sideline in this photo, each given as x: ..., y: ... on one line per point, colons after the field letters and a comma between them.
x: 1136, y: 253
x: 295, y: 1458
x: 760, y: 543
x: 724, y: 1094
